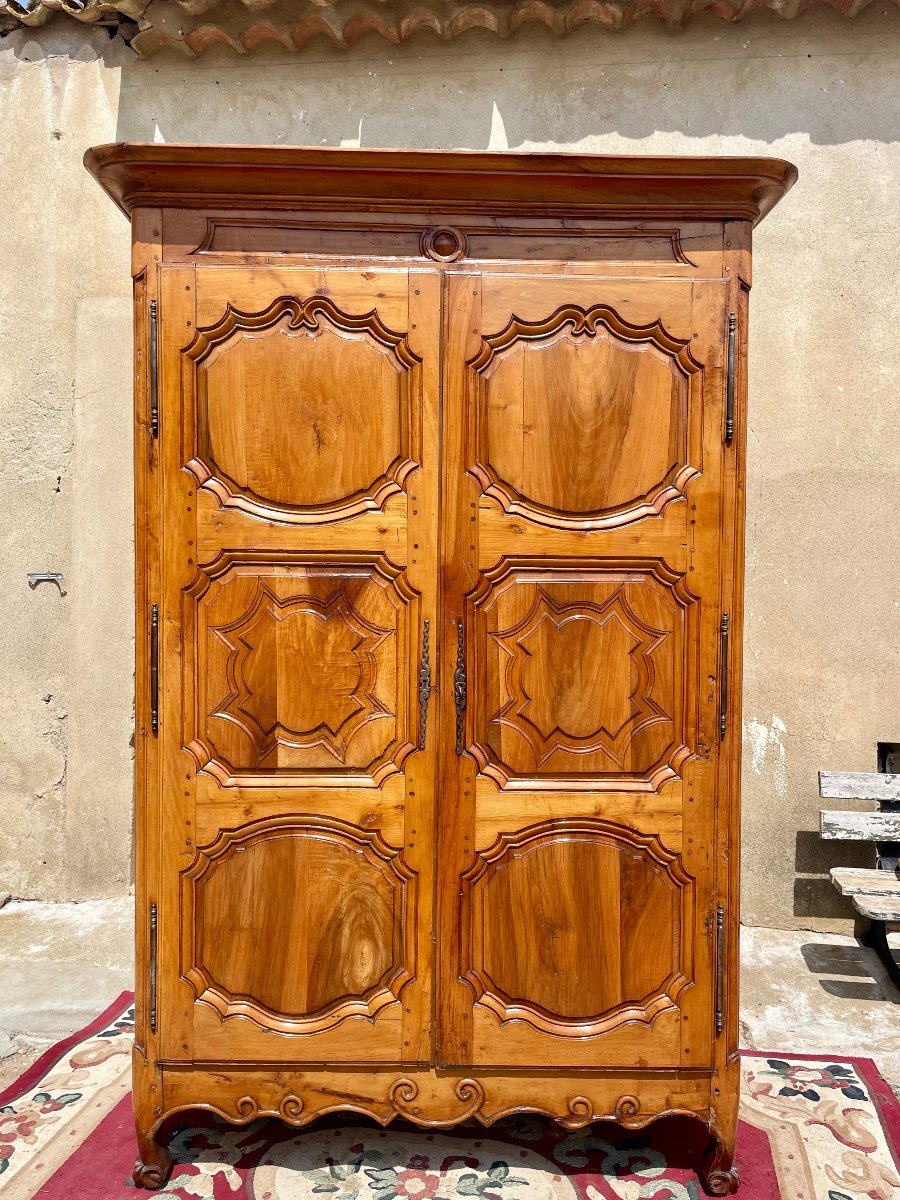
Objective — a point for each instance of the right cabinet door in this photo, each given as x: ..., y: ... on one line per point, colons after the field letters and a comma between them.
x: 582, y: 598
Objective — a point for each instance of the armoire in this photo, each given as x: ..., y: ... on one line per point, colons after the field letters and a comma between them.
x: 439, y: 503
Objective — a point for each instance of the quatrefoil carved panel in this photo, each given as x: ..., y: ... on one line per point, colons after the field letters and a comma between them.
x: 560, y: 658
x: 329, y: 631
x: 298, y: 669
x: 585, y: 672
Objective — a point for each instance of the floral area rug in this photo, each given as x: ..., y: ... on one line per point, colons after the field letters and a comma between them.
x: 811, y: 1129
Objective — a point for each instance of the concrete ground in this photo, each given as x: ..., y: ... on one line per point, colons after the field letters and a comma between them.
x: 815, y: 993
x: 60, y: 965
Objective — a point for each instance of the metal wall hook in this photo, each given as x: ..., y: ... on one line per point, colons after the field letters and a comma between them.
x: 36, y: 577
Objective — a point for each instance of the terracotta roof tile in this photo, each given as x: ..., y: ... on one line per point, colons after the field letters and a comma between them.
x: 345, y: 21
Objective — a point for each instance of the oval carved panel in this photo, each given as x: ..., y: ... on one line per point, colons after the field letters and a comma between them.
x: 582, y: 420
x: 298, y: 923
x: 578, y: 927
x: 303, y: 411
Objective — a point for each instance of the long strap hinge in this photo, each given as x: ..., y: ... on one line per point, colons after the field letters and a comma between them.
x: 154, y: 384
x: 154, y: 668
x: 720, y: 969
x: 723, y: 686
x: 729, y: 384
x: 152, y: 988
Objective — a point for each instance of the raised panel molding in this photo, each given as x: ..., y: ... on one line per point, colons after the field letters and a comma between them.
x: 628, y: 414
x: 359, y: 861
x: 371, y: 450
x: 547, y: 932
x: 342, y: 714
x: 637, y: 642
x: 535, y: 673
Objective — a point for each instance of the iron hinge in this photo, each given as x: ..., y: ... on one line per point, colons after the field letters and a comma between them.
x: 154, y: 668
x: 720, y: 969
x: 729, y: 388
x: 723, y: 687
x: 153, y: 938
x: 154, y: 385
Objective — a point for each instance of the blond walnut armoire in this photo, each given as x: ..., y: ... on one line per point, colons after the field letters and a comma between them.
x: 439, y: 494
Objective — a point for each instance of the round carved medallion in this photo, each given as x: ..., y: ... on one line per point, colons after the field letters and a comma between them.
x: 444, y: 244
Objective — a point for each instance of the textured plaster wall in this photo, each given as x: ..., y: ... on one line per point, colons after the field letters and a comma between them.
x: 823, y: 578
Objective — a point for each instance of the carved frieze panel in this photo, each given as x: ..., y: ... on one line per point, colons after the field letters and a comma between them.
x: 582, y: 420
x: 577, y: 927
x: 304, y: 413
x: 299, y: 670
x: 336, y: 901
x: 584, y: 674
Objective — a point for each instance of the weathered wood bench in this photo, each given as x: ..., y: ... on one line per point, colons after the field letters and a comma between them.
x: 875, y: 893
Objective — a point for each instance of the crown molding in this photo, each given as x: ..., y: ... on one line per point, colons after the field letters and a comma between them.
x: 288, y: 177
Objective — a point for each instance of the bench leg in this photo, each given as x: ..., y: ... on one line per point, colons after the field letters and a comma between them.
x: 876, y: 939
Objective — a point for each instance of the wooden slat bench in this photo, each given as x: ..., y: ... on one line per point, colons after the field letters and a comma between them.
x: 876, y: 893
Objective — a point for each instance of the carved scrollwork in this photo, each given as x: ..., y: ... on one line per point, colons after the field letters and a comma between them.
x: 403, y: 1095
x: 433, y: 1101
x: 581, y: 1113
x: 628, y: 1112
x: 289, y: 1109
x: 470, y: 1092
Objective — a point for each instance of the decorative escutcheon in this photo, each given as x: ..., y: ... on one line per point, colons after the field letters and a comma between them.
x: 443, y: 243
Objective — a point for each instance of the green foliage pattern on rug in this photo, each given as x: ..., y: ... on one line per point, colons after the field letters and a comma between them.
x: 811, y: 1129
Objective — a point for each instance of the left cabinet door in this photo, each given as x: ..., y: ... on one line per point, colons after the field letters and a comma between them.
x: 294, y: 828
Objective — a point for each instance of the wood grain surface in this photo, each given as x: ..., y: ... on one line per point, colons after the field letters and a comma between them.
x: 442, y: 527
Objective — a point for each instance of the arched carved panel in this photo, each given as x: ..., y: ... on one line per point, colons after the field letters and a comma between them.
x: 304, y: 412
x: 577, y: 927
x: 336, y: 901
x: 587, y: 670
x: 299, y: 669
x: 584, y: 420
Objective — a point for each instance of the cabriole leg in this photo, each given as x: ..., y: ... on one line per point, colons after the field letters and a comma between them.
x: 154, y: 1162
x: 718, y: 1174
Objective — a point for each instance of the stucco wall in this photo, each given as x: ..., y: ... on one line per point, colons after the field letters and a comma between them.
x: 823, y: 579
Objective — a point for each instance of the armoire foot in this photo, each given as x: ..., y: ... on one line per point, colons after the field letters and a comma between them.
x: 153, y: 1165
x: 718, y: 1174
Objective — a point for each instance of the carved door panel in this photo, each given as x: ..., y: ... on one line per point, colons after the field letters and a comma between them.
x: 299, y: 465
x: 580, y: 585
